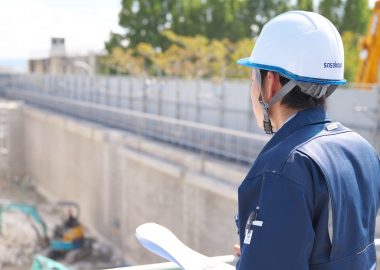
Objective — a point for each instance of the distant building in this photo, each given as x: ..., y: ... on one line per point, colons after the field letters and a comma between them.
x: 59, y: 63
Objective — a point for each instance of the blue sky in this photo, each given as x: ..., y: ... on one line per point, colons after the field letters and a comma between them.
x: 26, y: 27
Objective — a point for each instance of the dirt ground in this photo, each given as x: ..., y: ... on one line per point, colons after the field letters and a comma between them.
x: 19, y: 241
x: 19, y: 238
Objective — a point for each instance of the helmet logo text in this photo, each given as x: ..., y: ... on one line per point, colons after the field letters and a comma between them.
x: 332, y: 65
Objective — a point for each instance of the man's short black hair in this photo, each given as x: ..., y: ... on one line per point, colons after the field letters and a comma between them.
x: 296, y: 99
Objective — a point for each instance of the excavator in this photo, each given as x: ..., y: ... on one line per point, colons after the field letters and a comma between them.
x: 369, y: 46
x: 68, y: 241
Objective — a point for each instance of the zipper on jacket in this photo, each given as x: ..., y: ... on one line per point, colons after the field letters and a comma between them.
x: 330, y: 221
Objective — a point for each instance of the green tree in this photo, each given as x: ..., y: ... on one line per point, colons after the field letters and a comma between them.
x: 333, y: 10
x: 257, y: 13
x: 305, y: 5
x: 351, y: 55
x: 204, y: 38
x: 237, y: 51
x: 123, y: 61
x: 354, y: 25
x: 356, y: 16
x: 214, y: 19
x: 114, y: 42
x: 144, y: 20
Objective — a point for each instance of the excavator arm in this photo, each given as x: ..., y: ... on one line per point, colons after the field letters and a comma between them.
x: 28, y: 210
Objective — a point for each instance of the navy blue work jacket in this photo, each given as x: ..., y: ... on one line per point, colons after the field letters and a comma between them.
x: 310, y: 199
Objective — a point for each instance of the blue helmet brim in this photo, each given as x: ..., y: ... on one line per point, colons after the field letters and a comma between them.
x: 245, y: 62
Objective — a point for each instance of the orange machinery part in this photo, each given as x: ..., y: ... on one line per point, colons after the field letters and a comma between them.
x: 368, y: 71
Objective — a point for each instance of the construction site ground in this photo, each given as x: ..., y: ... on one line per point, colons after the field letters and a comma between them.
x: 19, y: 241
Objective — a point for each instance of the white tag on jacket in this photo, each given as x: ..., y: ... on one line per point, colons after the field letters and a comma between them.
x: 248, y: 233
x: 332, y: 126
x: 258, y: 223
x: 248, y: 237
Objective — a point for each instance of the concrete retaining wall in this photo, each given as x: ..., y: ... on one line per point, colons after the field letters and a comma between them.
x: 121, y: 181
x: 11, y: 140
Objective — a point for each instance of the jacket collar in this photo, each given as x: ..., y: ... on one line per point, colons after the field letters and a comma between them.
x: 301, y: 119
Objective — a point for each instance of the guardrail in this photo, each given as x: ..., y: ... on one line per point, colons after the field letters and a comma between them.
x: 222, y: 142
x: 225, y: 105
x: 218, y: 104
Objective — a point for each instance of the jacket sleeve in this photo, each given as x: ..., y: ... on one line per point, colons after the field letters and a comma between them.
x: 285, y: 238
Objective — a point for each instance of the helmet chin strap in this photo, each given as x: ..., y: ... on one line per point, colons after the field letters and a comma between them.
x: 276, y: 98
x: 266, y: 123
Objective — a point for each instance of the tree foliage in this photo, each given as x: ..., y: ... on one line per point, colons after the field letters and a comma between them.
x: 332, y: 9
x: 351, y: 55
x: 348, y: 15
x: 356, y: 16
x: 305, y: 5
x: 144, y: 20
x: 188, y: 57
x: 204, y: 38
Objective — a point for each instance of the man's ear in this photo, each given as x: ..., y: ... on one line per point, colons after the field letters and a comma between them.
x: 272, y: 85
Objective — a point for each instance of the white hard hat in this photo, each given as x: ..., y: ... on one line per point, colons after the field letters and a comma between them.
x: 302, y: 46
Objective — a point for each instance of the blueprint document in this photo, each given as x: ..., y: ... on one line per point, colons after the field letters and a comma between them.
x: 164, y: 243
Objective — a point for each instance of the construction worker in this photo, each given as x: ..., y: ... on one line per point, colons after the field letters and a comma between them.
x: 311, y: 197
x: 71, y: 221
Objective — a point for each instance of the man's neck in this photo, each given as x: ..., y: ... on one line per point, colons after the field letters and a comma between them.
x: 280, y: 114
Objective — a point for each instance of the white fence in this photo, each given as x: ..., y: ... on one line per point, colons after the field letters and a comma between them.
x: 224, y: 104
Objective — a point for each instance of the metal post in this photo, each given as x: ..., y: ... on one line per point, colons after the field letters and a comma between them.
x: 83, y: 88
x: 108, y: 91
x: 221, y: 104
x: 86, y: 89
x: 45, y: 83
x: 160, y: 97
x: 75, y: 87
x: 118, y: 96
x: 198, y: 107
x: 89, y: 89
x: 177, y: 95
x: 145, y: 86
x: 93, y: 89
x: 50, y: 83
x: 97, y: 90
x: 55, y: 84
x: 130, y: 94
x: 69, y: 86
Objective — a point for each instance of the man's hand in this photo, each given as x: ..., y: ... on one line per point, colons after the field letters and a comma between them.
x: 236, y: 249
